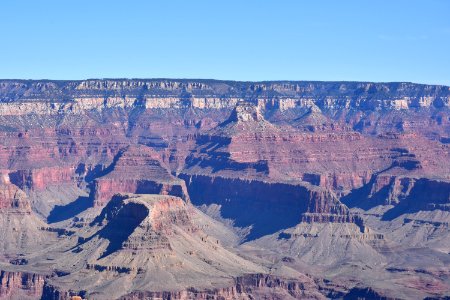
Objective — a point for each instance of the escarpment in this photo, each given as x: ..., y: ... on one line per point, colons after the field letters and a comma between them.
x: 204, y: 92
x: 134, y: 188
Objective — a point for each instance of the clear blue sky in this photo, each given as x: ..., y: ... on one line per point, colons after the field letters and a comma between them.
x: 377, y: 40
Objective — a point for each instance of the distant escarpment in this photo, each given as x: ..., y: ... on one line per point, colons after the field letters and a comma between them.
x: 164, y: 93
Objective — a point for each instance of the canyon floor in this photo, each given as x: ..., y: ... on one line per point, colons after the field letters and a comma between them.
x: 204, y: 189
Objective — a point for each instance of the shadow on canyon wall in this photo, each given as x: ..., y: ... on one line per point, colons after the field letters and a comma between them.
x: 265, y: 207
x: 64, y: 212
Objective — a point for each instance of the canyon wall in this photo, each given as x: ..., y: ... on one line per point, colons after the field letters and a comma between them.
x: 345, y: 175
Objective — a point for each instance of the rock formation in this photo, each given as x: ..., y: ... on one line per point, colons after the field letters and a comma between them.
x: 138, y: 170
x: 12, y: 199
x: 238, y: 190
x: 19, y: 285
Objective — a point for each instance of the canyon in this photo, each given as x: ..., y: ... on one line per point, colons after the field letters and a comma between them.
x: 207, y: 189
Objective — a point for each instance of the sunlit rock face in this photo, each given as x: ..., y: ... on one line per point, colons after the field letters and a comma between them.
x: 224, y: 189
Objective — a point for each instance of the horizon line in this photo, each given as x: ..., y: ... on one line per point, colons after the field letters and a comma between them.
x: 224, y: 80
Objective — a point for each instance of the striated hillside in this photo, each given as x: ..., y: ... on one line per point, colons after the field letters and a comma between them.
x: 189, y: 189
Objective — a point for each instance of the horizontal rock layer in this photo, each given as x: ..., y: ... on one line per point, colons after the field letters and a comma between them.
x: 55, y: 97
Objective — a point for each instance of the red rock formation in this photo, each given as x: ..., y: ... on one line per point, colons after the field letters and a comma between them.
x: 138, y: 170
x: 20, y: 284
x: 162, y: 213
x: 269, y: 155
x: 248, y: 286
x: 38, y: 179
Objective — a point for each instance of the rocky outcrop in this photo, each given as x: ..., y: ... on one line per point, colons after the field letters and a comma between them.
x: 406, y: 194
x: 21, y: 285
x: 12, y: 199
x: 415, y: 195
x: 155, y: 215
x: 39, y: 179
x: 136, y: 236
x: 246, y: 287
x: 138, y: 170
x: 249, y: 145
x: 249, y: 286
x: 50, y: 292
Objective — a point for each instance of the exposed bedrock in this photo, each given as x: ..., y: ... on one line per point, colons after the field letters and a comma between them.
x: 138, y: 170
x: 251, y: 286
x: 210, y: 93
x: 420, y: 195
x: 282, y: 162
x: 12, y: 198
x: 157, y: 217
x: 105, y: 188
x: 18, y: 285
x: 39, y: 179
x: 407, y: 194
x: 21, y: 285
x: 137, y: 236
x: 254, y: 202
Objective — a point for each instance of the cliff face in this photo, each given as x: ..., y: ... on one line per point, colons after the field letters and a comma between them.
x: 342, y: 175
x: 245, y: 287
x: 156, y: 215
x: 278, y: 205
x: 406, y: 194
x: 208, y: 93
x: 138, y: 170
x: 11, y: 197
x: 20, y: 285
x: 38, y: 179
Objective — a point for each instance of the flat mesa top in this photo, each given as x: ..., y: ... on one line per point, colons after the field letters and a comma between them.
x: 146, y: 198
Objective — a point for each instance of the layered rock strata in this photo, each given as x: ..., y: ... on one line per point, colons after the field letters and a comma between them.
x: 348, y: 180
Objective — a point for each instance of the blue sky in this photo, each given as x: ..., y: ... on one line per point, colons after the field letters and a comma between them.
x: 382, y: 40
